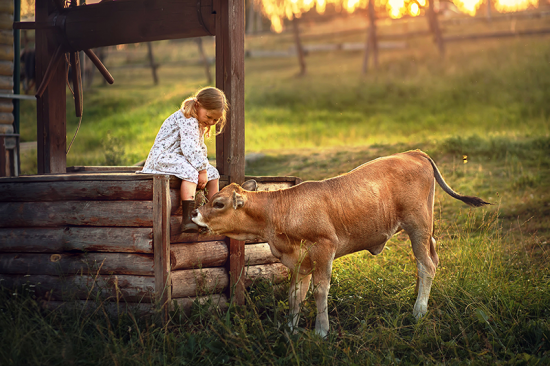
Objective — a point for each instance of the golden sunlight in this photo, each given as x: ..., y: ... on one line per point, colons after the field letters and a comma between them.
x: 278, y: 10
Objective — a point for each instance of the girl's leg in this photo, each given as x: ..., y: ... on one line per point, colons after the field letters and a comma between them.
x: 212, y: 187
x: 188, y: 190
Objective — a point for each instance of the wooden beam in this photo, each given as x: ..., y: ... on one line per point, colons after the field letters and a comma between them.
x: 120, y: 22
x: 161, y: 242
x: 230, y: 144
x: 51, y: 106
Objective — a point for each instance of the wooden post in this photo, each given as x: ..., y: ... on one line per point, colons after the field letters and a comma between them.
x: 299, y: 47
x: 161, y: 242
x: 50, y: 108
x: 372, y: 41
x: 230, y: 144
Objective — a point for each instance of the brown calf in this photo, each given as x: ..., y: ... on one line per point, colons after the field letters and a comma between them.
x: 309, y: 225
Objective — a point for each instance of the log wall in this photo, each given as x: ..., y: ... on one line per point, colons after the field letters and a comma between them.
x: 115, y: 236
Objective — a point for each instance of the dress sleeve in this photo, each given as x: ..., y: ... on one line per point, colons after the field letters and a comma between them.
x: 192, y: 147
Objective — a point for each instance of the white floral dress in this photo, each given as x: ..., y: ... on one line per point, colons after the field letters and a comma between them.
x: 179, y: 150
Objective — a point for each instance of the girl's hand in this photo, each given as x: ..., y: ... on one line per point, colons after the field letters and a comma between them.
x: 203, y: 179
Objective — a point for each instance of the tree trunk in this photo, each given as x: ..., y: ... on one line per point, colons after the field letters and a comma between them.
x: 299, y: 48
x: 372, y: 41
x: 152, y: 62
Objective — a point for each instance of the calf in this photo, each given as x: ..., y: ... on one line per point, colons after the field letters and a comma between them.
x: 309, y: 225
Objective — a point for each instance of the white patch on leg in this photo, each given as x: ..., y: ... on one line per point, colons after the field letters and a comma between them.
x: 424, y: 287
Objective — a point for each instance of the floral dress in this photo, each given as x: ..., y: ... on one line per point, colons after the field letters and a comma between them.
x: 179, y: 150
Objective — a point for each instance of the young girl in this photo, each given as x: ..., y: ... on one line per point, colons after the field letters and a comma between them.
x: 179, y: 148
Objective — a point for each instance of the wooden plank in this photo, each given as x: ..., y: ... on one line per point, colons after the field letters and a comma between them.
x: 161, y: 240
x: 195, y: 282
x: 6, y: 118
x: 6, y: 37
x: 77, y: 213
x: 85, y: 239
x: 76, y: 263
x: 76, y: 191
x: 176, y: 236
x: 120, y: 22
x: 51, y: 107
x: 103, y: 177
x: 115, y: 287
x: 198, y: 255
x: 230, y: 144
x: 275, y: 272
x: 104, y: 169
x: 216, y: 302
x: 255, y: 254
x: 6, y: 53
x: 6, y: 82
x: 505, y: 34
x: 6, y: 106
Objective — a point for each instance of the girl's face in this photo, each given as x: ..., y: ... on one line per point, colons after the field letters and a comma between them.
x: 208, y: 117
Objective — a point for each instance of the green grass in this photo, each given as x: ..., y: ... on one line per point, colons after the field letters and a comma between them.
x: 482, y: 113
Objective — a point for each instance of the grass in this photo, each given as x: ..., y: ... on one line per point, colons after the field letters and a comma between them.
x: 482, y: 113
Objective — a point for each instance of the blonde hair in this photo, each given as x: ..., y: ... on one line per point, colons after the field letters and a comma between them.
x: 211, y: 99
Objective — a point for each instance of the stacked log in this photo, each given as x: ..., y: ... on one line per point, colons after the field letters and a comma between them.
x: 115, y: 238
x: 6, y: 65
x: 79, y: 237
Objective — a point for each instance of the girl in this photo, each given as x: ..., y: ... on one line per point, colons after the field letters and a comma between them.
x: 179, y: 148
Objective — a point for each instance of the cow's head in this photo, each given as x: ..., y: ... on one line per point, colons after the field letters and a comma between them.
x: 224, y: 214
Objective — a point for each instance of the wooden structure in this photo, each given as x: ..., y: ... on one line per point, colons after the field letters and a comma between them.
x: 90, y: 232
x: 115, y: 236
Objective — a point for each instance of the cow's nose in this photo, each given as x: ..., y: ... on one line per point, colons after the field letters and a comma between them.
x: 194, y: 213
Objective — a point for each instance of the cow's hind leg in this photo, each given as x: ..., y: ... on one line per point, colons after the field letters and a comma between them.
x: 426, y: 264
x: 299, y: 284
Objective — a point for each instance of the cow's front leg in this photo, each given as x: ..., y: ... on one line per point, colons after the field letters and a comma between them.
x: 299, y: 284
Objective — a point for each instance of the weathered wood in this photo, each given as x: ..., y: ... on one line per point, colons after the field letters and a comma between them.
x: 128, y: 288
x: 6, y: 68
x: 6, y: 37
x: 299, y: 47
x: 112, y: 308
x: 237, y: 269
x: 120, y: 22
x: 6, y: 53
x: 93, y: 176
x: 77, y: 213
x: 276, y: 272
x: 6, y: 118
x: 86, y: 239
x: 230, y: 78
x: 76, y: 191
x: 76, y: 263
x: 216, y: 302
x: 6, y: 20
x: 6, y: 6
x: 106, y: 169
x: 161, y: 237
x: 176, y: 236
x: 255, y: 254
x: 197, y: 282
x: 6, y: 82
x: 198, y: 255
x: 51, y: 107
x: 6, y: 106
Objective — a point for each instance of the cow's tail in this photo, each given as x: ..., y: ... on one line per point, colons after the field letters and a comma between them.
x: 469, y: 200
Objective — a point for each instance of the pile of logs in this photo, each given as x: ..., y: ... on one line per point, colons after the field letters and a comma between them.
x: 92, y: 236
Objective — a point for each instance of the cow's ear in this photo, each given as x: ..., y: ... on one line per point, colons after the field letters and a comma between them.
x: 250, y: 185
x: 238, y: 200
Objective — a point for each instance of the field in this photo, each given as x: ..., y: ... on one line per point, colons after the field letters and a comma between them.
x: 482, y: 113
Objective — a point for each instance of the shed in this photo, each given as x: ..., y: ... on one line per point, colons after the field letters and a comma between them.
x: 104, y: 232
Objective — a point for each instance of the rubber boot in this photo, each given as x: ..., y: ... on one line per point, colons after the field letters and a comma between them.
x: 187, y: 225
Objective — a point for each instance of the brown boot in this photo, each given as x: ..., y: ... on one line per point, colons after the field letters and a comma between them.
x: 187, y: 225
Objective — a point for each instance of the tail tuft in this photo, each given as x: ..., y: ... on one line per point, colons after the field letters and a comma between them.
x: 474, y: 201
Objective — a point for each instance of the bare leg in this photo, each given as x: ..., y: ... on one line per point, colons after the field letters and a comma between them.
x: 188, y: 190
x: 212, y: 187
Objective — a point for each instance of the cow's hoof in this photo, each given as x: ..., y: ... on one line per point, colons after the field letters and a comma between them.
x: 419, y: 312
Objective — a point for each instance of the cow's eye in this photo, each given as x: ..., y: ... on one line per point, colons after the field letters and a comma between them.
x: 218, y: 205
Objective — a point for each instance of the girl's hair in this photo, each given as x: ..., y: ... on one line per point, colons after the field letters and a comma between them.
x: 211, y: 99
